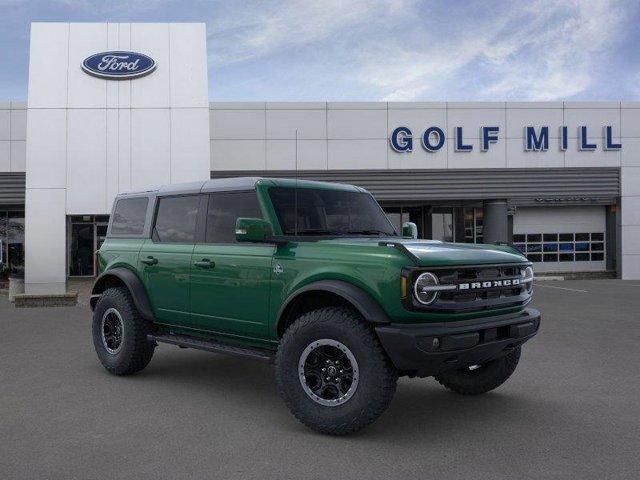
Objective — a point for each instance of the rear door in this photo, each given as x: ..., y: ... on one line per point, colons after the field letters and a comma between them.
x: 230, y: 281
x: 165, y: 259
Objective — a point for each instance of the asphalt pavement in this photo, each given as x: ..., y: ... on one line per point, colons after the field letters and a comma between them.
x: 571, y: 410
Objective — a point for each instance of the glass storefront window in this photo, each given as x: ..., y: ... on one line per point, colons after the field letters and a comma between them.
x: 11, y: 242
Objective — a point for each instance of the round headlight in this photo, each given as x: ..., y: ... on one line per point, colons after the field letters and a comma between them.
x: 422, y: 288
x: 527, y: 278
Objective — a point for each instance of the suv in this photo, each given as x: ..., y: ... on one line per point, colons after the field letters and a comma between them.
x: 313, y: 277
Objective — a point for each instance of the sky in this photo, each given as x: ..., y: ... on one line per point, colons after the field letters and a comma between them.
x: 377, y: 50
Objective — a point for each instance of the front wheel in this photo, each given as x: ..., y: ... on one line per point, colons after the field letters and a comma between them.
x: 332, y: 372
x: 477, y: 379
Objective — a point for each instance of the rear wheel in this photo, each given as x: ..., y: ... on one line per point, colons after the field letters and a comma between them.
x: 477, y: 379
x: 120, y: 333
x: 332, y: 372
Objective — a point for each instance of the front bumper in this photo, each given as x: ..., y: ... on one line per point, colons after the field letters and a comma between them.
x: 428, y: 349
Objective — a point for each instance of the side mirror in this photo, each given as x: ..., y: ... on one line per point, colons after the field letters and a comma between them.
x: 252, y: 230
x: 409, y: 229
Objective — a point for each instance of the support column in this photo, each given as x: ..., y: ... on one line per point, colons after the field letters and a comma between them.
x: 495, y: 222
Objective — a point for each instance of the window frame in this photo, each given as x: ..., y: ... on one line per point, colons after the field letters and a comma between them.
x: 204, y: 217
x: 156, y: 209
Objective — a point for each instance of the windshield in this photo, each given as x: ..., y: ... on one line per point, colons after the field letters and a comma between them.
x: 328, y: 212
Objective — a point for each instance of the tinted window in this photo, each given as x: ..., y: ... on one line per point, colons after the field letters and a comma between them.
x: 224, y: 210
x: 176, y: 219
x: 323, y: 211
x: 129, y: 215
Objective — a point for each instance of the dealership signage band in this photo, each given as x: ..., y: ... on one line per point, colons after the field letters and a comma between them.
x: 118, y: 65
x: 535, y: 139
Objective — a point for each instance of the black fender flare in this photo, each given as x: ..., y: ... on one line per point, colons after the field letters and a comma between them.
x: 366, y: 305
x: 133, y: 284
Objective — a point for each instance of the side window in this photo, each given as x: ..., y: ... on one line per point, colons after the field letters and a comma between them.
x: 224, y: 209
x: 129, y: 216
x: 176, y: 219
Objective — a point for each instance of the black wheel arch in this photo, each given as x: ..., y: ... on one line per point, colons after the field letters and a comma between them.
x: 121, y: 276
x: 330, y: 290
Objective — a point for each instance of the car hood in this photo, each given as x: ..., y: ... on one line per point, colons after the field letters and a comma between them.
x: 435, y: 253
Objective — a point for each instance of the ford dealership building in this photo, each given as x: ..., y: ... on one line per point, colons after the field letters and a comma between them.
x: 120, y: 106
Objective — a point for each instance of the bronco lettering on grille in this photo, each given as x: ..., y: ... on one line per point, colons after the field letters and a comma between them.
x: 507, y: 282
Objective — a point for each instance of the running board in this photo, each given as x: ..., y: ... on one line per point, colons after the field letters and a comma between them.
x: 184, y: 341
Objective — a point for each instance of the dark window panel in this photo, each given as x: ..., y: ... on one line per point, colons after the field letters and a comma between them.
x: 129, y: 216
x: 582, y: 257
x: 519, y: 238
x: 550, y: 237
x: 534, y: 257
x: 550, y: 247
x: 566, y: 237
x: 597, y: 257
x: 534, y: 237
x: 597, y: 237
x: 582, y: 237
x: 176, y: 219
x: 566, y: 257
x: 224, y: 210
x: 550, y: 257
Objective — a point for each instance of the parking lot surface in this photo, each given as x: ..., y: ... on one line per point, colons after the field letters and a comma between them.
x: 571, y: 410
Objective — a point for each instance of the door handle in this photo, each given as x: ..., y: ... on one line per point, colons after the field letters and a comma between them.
x: 149, y: 260
x: 204, y: 263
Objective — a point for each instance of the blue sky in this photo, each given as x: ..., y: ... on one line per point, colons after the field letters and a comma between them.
x: 361, y: 50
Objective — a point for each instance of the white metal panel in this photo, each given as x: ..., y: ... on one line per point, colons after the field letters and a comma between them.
x: 518, y: 118
x: 124, y: 86
x: 47, y: 148
x: 5, y: 124
x: 18, y: 124
x: 238, y: 154
x: 152, y: 90
x: 48, y: 63
x: 18, y: 156
x: 112, y: 161
x: 86, y: 91
x: 188, y: 69
x: 150, y: 147
x: 630, y: 182
x: 86, y: 161
x: 495, y: 157
x: 630, y: 122
x: 282, y: 124
x: 237, y: 124
x: 592, y: 118
x: 190, y: 144
x: 5, y: 156
x: 357, y: 154
x: 357, y: 124
x: 630, y: 154
x: 45, y: 239
x: 517, y: 157
x: 574, y: 157
x: 124, y: 150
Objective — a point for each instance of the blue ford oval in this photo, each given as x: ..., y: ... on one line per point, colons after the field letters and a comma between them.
x: 118, y: 65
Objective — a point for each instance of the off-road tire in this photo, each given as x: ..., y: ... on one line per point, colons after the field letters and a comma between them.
x: 377, y: 376
x: 136, y: 350
x: 482, y: 380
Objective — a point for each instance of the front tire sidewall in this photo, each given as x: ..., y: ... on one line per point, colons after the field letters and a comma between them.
x: 376, y: 382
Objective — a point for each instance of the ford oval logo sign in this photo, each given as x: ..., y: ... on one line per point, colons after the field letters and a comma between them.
x: 118, y: 65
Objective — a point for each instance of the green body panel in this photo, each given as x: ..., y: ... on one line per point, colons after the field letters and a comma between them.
x: 233, y: 296
x: 240, y: 295
x: 167, y: 282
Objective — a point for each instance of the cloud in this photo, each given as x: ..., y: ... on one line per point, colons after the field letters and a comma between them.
x: 542, y: 51
x: 260, y: 29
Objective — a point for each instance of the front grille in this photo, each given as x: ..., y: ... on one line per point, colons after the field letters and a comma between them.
x: 476, y: 299
x: 475, y: 274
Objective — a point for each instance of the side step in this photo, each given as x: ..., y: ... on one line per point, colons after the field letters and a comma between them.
x: 184, y: 341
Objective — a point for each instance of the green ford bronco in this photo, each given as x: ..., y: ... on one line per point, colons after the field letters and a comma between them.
x: 313, y: 277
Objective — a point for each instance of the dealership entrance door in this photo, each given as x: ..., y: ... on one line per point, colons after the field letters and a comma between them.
x: 85, y: 235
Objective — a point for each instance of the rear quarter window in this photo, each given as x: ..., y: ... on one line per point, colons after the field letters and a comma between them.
x: 129, y: 216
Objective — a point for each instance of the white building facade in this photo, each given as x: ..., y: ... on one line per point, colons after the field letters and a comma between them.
x: 561, y: 180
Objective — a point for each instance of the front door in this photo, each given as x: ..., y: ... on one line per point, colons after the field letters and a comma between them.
x: 230, y: 281
x: 165, y: 259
